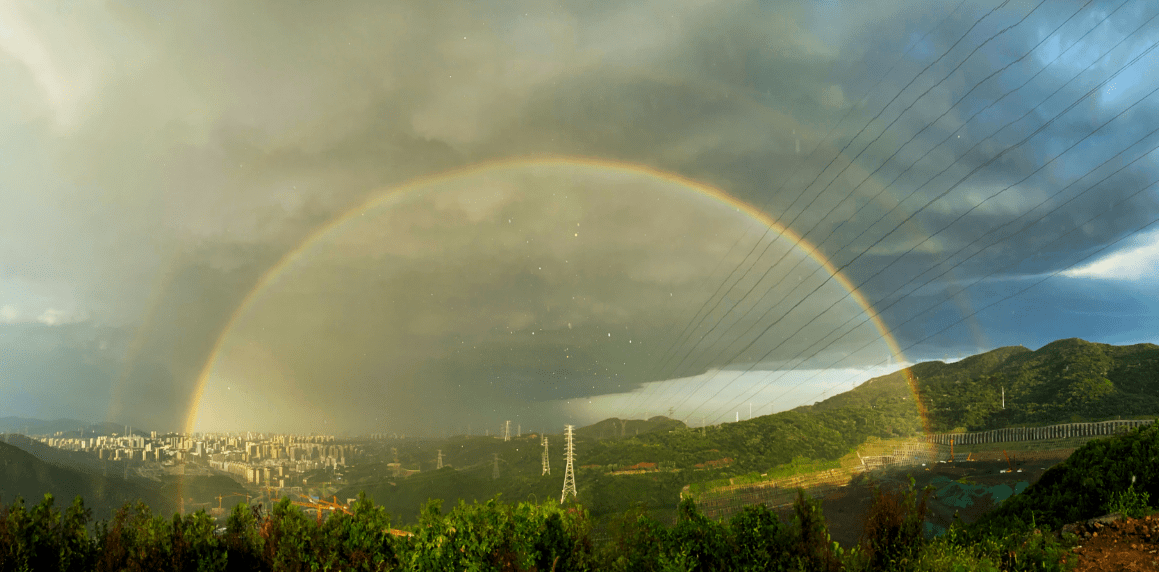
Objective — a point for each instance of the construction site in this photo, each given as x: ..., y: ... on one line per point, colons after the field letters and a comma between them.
x: 968, y: 479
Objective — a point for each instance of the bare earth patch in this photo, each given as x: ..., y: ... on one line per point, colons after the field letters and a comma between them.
x: 1125, y: 544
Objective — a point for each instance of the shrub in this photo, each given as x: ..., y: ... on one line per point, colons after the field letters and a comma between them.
x: 760, y: 541
x: 698, y: 543
x: 815, y: 550
x: 1130, y: 503
x: 357, y: 541
x: 638, y: 541
x: 291, y: 538
x: 44, y: 539
x: 893, y: 528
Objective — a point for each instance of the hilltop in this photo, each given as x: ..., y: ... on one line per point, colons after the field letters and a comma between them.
x: 615, y: 427
x: 1066, y: 381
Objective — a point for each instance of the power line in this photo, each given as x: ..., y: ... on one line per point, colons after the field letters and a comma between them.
x: 825, y: 137
x: 1052, y: 160
x: 993, y: 243
x: 991, y: 160
x: 881, y: 79
x: 803, y: 210
x: 951, y: 108
x: 797, y: 243
x: 1012, y: 264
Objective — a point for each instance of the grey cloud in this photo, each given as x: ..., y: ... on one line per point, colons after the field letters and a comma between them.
x: 204, y: 142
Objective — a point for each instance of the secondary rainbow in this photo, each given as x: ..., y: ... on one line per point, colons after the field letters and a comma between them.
x: 271, y: 276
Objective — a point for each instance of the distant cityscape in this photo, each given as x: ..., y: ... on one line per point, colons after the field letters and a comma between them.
x: 276, y: 462
x: 308, y: 469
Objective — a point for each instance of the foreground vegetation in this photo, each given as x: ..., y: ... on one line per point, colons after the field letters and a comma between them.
x: 500, y: 536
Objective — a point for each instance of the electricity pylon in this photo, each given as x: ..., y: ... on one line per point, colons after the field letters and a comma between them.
x: 568, y: 472
x: 507, y: 431
x: 546, y: 464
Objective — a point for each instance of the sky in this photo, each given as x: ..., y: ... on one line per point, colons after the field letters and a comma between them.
x: 427, y: 218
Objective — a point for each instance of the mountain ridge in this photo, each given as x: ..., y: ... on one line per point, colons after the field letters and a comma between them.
x: 1067, y: 380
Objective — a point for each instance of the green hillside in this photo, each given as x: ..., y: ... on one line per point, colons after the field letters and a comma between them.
x: 23, y: 475
x: 1065, y: 381
x: 678, y: 455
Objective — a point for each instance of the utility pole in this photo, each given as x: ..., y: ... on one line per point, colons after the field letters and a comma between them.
x: 568, y: 472
x: 440, y: 458
x: 546, y: 463
x: 1003, y: 398
x: 495, y: 470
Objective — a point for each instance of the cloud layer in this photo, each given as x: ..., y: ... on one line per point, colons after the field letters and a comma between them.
x: 156, y: 161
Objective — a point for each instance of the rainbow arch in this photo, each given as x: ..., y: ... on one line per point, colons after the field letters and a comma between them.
x: 272, y: 275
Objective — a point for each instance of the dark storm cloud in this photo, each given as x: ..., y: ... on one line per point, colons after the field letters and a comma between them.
x: 159, y: 160
x: 1020, y: 162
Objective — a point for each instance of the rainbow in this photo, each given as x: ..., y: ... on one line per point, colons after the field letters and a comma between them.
x: 272, y: 275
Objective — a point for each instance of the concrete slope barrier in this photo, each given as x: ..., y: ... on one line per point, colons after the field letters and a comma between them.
x: 1015, y: 434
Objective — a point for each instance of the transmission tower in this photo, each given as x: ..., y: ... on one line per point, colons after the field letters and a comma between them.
x: 495, y: 470
x: 507, y: 431
x: 568, y: 472
x: 546, y: 464
x: 440, y: 458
